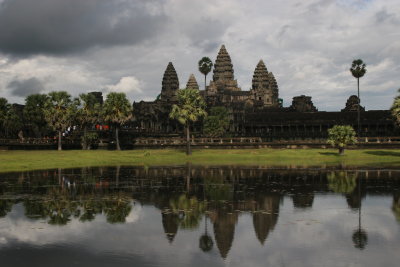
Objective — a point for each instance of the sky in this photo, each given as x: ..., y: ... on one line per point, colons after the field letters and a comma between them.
x: 125, y: 46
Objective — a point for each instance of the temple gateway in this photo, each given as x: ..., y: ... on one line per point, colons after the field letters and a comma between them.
x: 257, y: 112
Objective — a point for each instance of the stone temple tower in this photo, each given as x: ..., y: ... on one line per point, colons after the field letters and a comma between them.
x: 223, y: 78
x: 170, y: 84
x: 192, y: 83
x: 264, y: 87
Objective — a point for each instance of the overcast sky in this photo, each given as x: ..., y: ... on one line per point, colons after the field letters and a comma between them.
x: 125, y: 46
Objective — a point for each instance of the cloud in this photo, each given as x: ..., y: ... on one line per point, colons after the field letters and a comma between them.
x: 62, y: 27
x: 126, y: 85
x: 26, y: 87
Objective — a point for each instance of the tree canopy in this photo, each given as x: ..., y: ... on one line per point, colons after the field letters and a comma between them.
x: 341, y: 136
x: 59, y: 112
x: 358, y: 68
x: 117, y: 110
x: 395, y: 109
x: 217, y: 122
x: 191, y: 107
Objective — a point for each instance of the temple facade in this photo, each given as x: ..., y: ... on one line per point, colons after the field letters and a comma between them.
x: 255, y: 112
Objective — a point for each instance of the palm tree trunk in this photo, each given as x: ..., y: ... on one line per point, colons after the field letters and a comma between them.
x: 358, y: 107
x: 205, y: 82
x: 59, y: 141
x: 117, y: 137
x: 188, y: 150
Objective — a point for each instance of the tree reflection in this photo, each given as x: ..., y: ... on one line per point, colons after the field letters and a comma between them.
x: 117, y: 208
x: 342, y: 181
x: 206, y: 243
x: 5, y: 206
x: 396, y: 206
x: 189, y: 210
x: 360, y: 237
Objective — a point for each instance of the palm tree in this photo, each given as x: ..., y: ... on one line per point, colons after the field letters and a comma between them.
x: 88, y: 113
x: 34, y: 113
x: 396, y: 108
x: 59, y: 112
x: 117, y: 110
x: 358, y: 70
x: 190, y: 108
x: 205, y: 66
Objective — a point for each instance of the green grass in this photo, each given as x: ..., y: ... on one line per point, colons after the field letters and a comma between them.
x: 34, y: 160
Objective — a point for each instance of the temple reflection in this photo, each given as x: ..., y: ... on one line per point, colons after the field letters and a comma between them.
x: 189, y: 196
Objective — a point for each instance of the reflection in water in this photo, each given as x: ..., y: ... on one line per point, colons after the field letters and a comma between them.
x: 188, y: 197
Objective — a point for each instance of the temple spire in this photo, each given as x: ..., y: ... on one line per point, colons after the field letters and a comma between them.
x: 170, y: 84
x: 223, y: 68
x: 260, y: 77
x: 192, y: 83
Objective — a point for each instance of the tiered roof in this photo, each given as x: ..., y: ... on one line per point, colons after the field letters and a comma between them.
x: 170, y: 82
x: 223, y: 68
x: 260, y: 77
x: 192, y: 83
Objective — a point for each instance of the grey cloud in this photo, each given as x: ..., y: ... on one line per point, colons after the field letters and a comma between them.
x: 59, y: 27
x: 383, y: 16
x: 207, y: 34
x: 27, y: 87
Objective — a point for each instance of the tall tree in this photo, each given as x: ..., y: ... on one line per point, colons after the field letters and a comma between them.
x: 396, y: 108
x: 190, y: 108
x: 34, y: 113
x: 217, y: 122
x: 117, y: 110
x: 358, y: 69
x: 10, y: 121
x: 341, y: 136
x: 88, y: 113
x: 205, y: 66
x: 59, y: 112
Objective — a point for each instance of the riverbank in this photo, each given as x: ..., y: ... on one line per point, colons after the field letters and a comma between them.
x: 35, y: 160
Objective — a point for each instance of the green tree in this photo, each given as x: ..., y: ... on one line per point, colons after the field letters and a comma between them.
x: 10, y: 121
x: 358, y: 70
x: 3, y: 110
x: 59, y: 112
x: 341, y: 136
x: 117, y: 110
x: 190, y: 108
x: 396, y: 108
x: 88, y: 114
x: 205, y: 66
x: 217, y: 122
x: 34, y: 113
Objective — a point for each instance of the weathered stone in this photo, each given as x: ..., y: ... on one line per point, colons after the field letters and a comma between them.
x: 303, y: 104
x: 192, y: 83
x: 352, y: 104
x: 260, y: 80
x: 223, y: 68
x: 170, y: 84
x: 264, y: 87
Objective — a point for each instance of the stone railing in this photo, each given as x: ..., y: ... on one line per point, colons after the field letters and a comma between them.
x: 197, y: 141
x: 34, y: 141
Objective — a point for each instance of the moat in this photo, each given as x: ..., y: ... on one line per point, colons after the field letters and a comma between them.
x: 200, y: 216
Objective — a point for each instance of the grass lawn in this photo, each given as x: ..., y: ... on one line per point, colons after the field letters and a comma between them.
x: 44, y: 159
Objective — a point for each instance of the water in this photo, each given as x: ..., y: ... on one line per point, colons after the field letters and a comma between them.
x: 199, y: 216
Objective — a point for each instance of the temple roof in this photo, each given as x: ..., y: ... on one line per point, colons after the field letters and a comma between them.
x: 260, y: 77
x: 192, y: 83
x: 170, y: 82
x: 223, y: 68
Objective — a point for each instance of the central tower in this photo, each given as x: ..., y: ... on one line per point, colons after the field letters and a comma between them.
x: 223, y: 78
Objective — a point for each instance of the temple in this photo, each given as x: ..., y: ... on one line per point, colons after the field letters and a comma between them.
x: 256, y: 112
